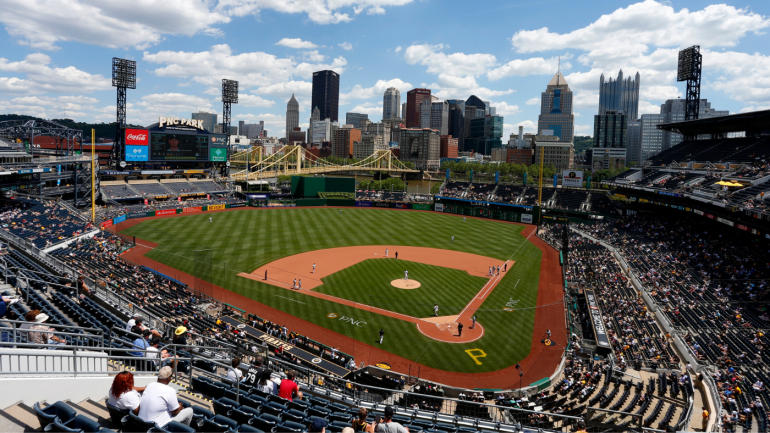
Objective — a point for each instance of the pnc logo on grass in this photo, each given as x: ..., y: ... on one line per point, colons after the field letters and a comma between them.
x: 332, y: 315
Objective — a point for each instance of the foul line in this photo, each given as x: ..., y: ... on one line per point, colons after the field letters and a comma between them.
x: 292, y: 300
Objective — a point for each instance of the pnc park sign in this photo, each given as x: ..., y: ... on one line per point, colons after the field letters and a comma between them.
x: 170, y: 121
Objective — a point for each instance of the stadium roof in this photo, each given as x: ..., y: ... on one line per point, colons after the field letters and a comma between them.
x: 749, y: 122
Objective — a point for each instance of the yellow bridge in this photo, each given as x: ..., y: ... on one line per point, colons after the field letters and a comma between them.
x: 297, y: 160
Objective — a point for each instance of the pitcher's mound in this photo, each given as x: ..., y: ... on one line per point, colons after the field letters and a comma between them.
x: 405, y: 284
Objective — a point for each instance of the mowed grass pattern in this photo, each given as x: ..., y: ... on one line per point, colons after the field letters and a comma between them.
x: 368, y: 283
x: 243, y: 240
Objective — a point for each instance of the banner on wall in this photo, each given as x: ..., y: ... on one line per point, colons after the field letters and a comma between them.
x: 497, y: 177
x: 447, y: 174
x: 146, y: 202
x: 439, y: 207
x: 596, y: 319
x: 165, y: 212
x: 526, y: 218
x: 420, y: 206
x: 140, y: 214
x: 232, y: 205
x: 363, y: 204
x: 381, y: 204
x: 572, y: 178
x: 555, y: 180
x: 192, y: 209
x: 119, y: 219
x: 216, y: 206
x: 401, y: 205
x: 105, y: 224
x: 525, y: 179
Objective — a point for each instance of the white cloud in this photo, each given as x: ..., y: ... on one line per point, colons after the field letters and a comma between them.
x: 151, y: 106
x: 347, y: 46
x: 318, y: 11
x: 376, y: 91
x: 250, y: 69
x: 286, y: 89
x: 313, y: 56
x: 530, y: 127
x: 372, y: 109
x: 505, y: 109
x: 451, y: 87
x: 398, y: 49
x: 247, y: 100
x: 460, y: 64
x: 296, y: 43
x: 533, y: 101
x: 522, y: 67
x: 68, y: 106
x: 40, y: 77
x: 110, y: 23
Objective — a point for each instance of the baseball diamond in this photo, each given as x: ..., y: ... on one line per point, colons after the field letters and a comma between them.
x: 347, y: 297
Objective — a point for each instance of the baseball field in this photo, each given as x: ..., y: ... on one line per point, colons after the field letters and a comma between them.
x: 354, y: 290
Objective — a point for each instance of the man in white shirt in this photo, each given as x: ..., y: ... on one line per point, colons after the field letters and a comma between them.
x: 132, y: 322
x: 234, y: 373
x: 159, y: 402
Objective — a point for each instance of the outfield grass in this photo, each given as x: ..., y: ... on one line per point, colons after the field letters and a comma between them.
x: 368, y: 282
x: 241, y: 241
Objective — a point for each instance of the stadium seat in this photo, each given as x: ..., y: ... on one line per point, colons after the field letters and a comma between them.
x: 48, y: 415
x: 224, y: 406
x: 336, y: 426
x: 200, y: 414
x: 116, y: 414
x: 264, y: 424
x: 220, y: 424
x: 413, y: 428
x: 175, y: 427
x: 244, y: 414
x: 294, y: 415
x: 253, y: 401
x: 78, y: 424
x: 133, y: 423
x: 299, y: 405
x: 249, y: 429
x: 290, y: 426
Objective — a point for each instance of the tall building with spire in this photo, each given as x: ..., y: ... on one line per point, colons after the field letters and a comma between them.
x: 315, y: 116
x: 391, y: 104
x: 620, y: 95
x: 292, y: 115
x: 556, y: 110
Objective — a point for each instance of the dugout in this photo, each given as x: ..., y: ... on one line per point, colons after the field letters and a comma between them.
x: 315, y: 187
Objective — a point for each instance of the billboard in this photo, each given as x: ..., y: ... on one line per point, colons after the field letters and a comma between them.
x: 177, y: 146
x: 137, y: 137
x: 217, y: 154
x: 572, y: 178
x: 136, y: 153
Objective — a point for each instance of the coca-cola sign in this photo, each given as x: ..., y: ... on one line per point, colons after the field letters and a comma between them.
x: 137, y: 137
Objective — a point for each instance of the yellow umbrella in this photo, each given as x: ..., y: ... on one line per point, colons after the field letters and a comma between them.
x: 724, y: 183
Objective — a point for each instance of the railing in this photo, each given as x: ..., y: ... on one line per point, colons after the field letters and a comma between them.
x: 94, y: 335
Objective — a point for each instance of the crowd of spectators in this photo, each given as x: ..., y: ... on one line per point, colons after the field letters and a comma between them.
x: 44, y: 223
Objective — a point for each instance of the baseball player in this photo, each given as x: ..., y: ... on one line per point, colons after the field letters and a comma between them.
x: 406, y: 275
x: 463, y: 219
x: 473, y: 322
x: 300, y: 284
x: 295, y: 283
x: 453, y: 238
x: 313, y: 268
x: 382, y: 334
x: 210, y: 220
x: 435, y: 310
x: 386, y: 252
x: 460, y: 330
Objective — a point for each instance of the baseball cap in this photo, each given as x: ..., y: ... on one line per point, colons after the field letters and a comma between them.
x: 317, y: 425
x: 388, y: 411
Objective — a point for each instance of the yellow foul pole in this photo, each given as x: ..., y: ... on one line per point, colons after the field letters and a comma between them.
x: 93, y: 175
x: 540, y: 192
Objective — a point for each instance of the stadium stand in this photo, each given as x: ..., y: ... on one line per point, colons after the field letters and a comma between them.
x: 508, y: 193
x: 480, y: 191
x: 182, y: 187
x: 151, y: 188
x: 455, y: 189
x: 570, y: 199
x: 118, y: 190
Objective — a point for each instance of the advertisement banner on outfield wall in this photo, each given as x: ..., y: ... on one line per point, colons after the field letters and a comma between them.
x: 420, y: 206
x: 232, y: 205
x: 381, y: 204
x: 363, y: 204
x: 105, y: 224
x: 216, y: 206
x: 526, y: 218
x: 165, y: 212
x: 141, y: 214
x: 119, y: 219
x: 401, y: 205
x: 439, y: 207
x: 192, y: 209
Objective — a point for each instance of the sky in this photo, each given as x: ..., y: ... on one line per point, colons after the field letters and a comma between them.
x: 57, y: 54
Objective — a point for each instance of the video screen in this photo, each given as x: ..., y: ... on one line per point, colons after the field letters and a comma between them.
x: 169, y: 147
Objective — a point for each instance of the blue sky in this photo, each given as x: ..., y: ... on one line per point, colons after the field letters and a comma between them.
x: 57, y: 54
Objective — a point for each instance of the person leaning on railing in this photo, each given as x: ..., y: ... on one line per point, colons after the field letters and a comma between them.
x: 44, y: 337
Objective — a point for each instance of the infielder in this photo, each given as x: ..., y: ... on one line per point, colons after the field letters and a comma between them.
x: 313, y: 269
x: 295, y: 283
x: 473, y: 322
x: 300, y: 285
x: 406, y: 275
x: 386, y: 252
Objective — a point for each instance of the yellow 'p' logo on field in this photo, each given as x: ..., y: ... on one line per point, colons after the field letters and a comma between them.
x: 481, y: 354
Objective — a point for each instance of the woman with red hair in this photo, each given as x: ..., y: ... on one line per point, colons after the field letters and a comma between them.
x: 123, y: 394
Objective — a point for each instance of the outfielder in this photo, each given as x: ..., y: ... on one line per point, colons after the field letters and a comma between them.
x: 435, y: 310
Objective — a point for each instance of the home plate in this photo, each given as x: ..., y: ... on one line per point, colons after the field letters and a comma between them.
x: 405, y: 284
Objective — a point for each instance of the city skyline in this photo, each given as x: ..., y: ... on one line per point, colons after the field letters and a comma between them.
x: 58, y: 72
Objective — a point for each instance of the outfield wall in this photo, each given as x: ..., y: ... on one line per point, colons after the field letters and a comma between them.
x: 173, y: 211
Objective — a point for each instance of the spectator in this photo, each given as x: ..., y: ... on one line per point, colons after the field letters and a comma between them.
x: 234, y: 373
x: 30, y: 318
x: 289, y: 389
x: 123, y: 394
x: 160, y: 404
x: 317, y: 425
x: 387, y: 425
x: 266, y: 384
x: 360, y: 424
x: 5, y: 301
x: 132, y: 321
x: 44, y: 337
x: 180, y: 338
x: 255, y: 373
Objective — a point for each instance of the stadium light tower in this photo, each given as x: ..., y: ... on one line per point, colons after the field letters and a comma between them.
x: 123, y: 77
x: 229, y: 97
x: 689, y: 70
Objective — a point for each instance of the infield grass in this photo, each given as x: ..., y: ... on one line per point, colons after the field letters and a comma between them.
x: 241, y: 241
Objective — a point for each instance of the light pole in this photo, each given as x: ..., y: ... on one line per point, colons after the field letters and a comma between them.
x: 521, y: 374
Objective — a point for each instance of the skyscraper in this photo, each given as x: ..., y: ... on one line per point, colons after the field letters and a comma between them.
x: 315, y: 116
x: 474, y: 107
x: 620, y: 95
x: 391, y: 104
x: 556, y: 110
x: 439, y: 117
x: 209, y: 120
x: 355, y: 119
x: 292, y: 115
x: 414, y: 99
x: 610, y: 129
x: 326, y: 94
x: 457, y: 121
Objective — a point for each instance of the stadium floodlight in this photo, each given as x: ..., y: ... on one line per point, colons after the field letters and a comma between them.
x: 123, y: 73
x: 230, y: 91
x: 689, y: 69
